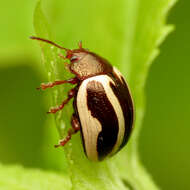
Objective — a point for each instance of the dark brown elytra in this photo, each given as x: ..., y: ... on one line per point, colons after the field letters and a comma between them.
x: 102, y: 109
x: 83, y: 64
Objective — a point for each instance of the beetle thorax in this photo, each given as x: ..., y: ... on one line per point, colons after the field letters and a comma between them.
x: 89, y: 64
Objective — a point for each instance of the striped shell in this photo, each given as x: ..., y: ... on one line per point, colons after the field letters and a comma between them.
x: 105, y: 110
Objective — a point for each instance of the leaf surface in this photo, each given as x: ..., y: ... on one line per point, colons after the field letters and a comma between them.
x: 128, y: 33
x: 19, y: 178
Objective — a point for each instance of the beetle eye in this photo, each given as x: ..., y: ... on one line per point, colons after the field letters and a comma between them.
x: 74, y: 58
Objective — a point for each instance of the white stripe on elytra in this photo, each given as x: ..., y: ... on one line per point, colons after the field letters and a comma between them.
x: 117, y: 72
x: 120, y: 76
x: 91, y: 127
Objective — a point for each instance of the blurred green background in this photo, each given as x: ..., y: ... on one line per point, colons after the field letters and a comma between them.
x: 164, y: 141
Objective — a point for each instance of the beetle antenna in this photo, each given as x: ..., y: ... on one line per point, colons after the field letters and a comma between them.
x: 80, y: 44
x: 49, y: 42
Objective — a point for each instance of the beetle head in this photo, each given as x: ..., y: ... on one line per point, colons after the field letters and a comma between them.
x: 73, y: 55
x: 83, y: 63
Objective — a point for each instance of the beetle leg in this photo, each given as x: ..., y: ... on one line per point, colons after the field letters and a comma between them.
x: 70, y: 95
x: 75, y: 123
x: 43, y: 86
x: 75, y: 128
x: 66, y: 64
x: 62, y: 56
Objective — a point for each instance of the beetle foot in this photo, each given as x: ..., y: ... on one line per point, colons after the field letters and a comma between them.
x: 62, y: 56
x: 43, y: 86
x: 56, y: 109
x: 63, y: 141
x: 75, y: 128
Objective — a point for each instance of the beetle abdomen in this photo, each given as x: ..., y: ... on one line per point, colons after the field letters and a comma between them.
x: 101, y: 117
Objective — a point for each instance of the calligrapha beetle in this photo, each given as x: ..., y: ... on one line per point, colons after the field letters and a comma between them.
x: 103, y: 106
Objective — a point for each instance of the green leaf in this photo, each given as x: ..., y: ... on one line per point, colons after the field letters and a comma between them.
x: 15, y: 46
x: 19, y: 178
x: 128, y: 34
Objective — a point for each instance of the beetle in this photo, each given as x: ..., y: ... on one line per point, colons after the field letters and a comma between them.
x: 103, y: 106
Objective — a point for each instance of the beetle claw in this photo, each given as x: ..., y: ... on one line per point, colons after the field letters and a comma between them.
x: 57, y: 145
x: 53, y: 110
x: 62, y: 56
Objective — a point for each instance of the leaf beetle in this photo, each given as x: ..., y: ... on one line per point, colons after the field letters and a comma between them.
x: 103, y: 106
